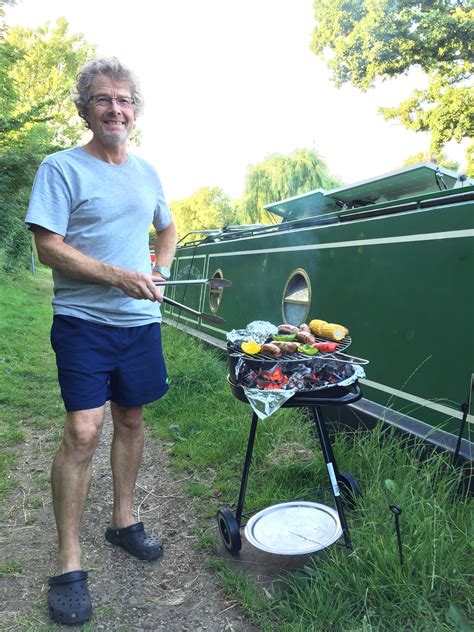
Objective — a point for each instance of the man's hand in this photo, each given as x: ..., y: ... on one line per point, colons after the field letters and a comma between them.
x: 141, y: 286
x: 160, y: 289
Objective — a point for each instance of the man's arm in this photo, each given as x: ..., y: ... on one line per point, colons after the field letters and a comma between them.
x: 53, y: 252
x: 165, y: 246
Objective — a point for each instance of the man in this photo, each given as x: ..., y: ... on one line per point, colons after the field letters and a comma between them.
x: 90, y: 210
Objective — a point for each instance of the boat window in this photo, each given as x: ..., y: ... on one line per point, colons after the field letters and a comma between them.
x: 296, y: 298
x: 215, y: 295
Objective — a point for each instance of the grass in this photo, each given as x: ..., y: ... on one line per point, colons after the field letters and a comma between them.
x: 431, y: 589
x: 10, y: 568
x: 29, y: 395
x: 28, y: 386
x: 206, y: 431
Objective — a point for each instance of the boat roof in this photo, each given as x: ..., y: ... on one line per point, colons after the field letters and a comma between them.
x: 418, y: 179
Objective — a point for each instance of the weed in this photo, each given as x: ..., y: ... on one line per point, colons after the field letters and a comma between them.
x: 36, y: 503
x: 8, y: 460
x: 206, y: 541
x: 43, y: 481
x: 31, y: 517
x: 10, y: 568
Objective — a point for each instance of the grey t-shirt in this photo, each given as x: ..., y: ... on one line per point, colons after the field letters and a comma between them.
x: 105, y: 211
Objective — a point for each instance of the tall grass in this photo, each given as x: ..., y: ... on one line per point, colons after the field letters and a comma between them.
x: 431, y: 590
x: 28, y: 386
x: 29, y: 393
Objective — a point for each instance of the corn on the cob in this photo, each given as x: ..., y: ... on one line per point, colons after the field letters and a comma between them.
x: 334, y: 332
x: 316, y: 326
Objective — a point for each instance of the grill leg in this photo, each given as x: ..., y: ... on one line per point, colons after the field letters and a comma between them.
x: 245, y: 473
x: 331, y: 466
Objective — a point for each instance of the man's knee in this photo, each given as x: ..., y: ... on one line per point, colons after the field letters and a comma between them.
x: 129, y: 419
x: 82, y: 432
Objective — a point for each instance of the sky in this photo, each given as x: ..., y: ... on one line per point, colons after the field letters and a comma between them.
x: 227, y: 83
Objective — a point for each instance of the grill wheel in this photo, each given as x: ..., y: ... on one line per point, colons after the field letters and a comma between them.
x: 350, y: 488
x: 229, y: 530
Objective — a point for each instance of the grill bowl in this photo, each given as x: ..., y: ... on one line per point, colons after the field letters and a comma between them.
x: 332, y: 394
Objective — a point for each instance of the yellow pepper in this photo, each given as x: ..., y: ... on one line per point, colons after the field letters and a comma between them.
x: 251, y: 347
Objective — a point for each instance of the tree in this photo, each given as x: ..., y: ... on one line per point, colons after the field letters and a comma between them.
x: 279, y: 177
x: 366, y: 40
x: 44, y: 76
x: 37, y: 74
x: 423, y: 156
x: 208, y: 207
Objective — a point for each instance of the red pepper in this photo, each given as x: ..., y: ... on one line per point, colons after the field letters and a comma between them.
x: 325, y: 347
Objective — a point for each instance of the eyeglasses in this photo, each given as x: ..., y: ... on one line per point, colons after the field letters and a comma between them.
x: 105, y: 102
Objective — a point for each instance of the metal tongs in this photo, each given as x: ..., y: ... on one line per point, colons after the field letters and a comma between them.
x: 214, y: 283
x: 210, y: 318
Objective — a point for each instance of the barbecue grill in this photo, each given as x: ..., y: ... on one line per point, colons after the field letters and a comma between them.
x: 344, y: 486
x: 340, y: 347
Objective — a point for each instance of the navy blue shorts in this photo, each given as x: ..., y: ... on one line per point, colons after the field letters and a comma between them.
x: 98, y: 362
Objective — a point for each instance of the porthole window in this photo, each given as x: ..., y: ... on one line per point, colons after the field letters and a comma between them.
x: 296, y: 298
x: 215, y: 294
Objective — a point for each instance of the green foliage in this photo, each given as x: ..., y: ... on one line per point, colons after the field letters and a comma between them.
x: 445, y: 109
x: 279, y: 177
x: 432, y: 585
x: 16, y: 245
x: 37, y: 74
x: 10, y: 568
x: 366, y: 40
x: 275, y: 178
x: 369, y: 39
x: 440, y: 159
x: 28, y: 380
x: 208, y: 207
x: 44, y: 76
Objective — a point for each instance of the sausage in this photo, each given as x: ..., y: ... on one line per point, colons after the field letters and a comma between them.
x: 287, y: 329
x: 305, y: 337
x: 305, y: 327
x: 286, y: 347
x: 272, y: 349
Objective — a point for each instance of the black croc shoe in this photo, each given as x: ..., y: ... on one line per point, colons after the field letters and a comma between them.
x: 136, y: 542
x: 69, y: 598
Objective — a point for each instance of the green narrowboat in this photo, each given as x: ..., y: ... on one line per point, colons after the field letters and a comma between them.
x: 391, y: 258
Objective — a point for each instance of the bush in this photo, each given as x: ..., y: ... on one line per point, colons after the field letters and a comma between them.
x: 16, y: 246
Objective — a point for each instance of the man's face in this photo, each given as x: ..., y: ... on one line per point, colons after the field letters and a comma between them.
x: 110, y: 120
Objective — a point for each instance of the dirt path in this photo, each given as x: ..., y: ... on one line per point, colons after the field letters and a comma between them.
x: 174, y: 593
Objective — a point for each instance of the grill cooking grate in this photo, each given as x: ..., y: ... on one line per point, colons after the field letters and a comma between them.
x: 236, y: 351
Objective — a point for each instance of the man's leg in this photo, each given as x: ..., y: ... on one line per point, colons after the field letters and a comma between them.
x: 125, y: 456
x: 70, y: 481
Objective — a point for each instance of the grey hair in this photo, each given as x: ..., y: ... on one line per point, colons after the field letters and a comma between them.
x: 110, y: 67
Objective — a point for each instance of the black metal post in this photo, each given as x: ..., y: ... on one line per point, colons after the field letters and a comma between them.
x: 397, y: 510
x: 332, y: 469
x: 465, y: 410
x: 245, y: 474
